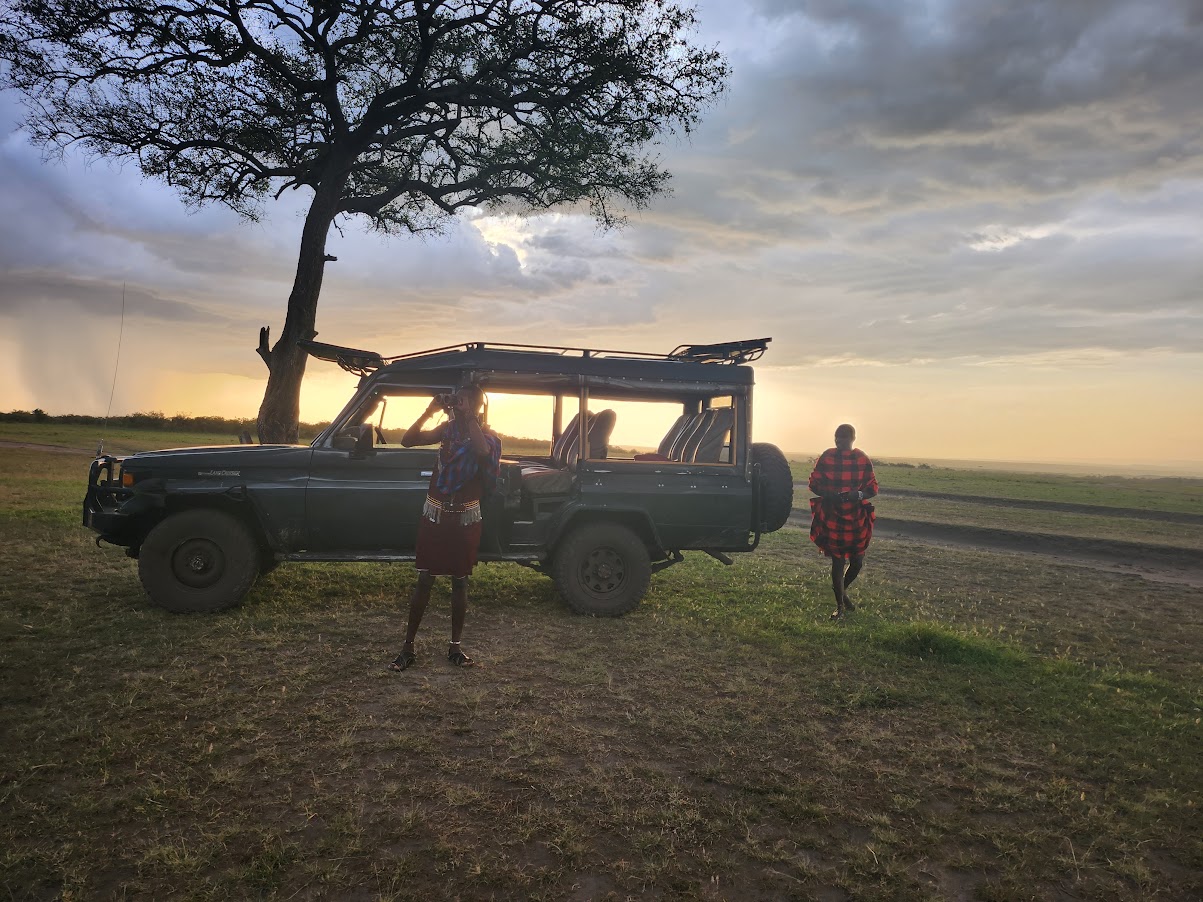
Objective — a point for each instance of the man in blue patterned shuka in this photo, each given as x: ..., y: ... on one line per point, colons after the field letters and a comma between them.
x: 449, y: 531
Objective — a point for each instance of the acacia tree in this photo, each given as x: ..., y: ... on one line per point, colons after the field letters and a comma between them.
x: 402, y: 112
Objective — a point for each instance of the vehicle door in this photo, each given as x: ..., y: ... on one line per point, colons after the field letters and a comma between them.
x: 692, y: 486
x: 370, y: 499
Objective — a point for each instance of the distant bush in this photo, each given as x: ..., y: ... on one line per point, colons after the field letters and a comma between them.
x: 152, y: 419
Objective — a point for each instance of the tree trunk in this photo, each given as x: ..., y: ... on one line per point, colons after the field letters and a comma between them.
x: 280, y: 412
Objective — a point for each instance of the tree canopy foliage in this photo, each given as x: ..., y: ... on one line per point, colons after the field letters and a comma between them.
x: 403, y: 112
x: 428, y: 106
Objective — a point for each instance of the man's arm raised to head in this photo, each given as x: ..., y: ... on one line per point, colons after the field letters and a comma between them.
x: 416, y: 435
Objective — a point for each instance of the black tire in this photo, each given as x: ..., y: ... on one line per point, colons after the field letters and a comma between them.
x: 776, y: 486
x: 198, y: 561
x: 602, y: 569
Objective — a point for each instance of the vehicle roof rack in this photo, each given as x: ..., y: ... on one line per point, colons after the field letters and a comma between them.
x: 361, y: 363
x: 724, y: 352
x: 530, y: 349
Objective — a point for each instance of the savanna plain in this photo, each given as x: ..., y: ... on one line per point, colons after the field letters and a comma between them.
x: 989, y: 724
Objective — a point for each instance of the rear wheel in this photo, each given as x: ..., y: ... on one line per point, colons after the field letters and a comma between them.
x: 198, y: 560
x: 602, y: 569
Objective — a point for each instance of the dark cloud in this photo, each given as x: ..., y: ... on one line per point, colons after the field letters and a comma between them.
x: 22, y: 292
x: 852, y: 109
x: 69, y: 336
x: 917, y: 68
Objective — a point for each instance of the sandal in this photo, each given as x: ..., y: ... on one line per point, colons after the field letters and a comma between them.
x: 456, y: 656
x: 402, y: 661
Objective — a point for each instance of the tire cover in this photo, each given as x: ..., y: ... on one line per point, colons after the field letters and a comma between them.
x: 776, y: 486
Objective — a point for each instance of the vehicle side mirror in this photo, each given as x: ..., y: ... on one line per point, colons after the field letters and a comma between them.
x: 359, y: 440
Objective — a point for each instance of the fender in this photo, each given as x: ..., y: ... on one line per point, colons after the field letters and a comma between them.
x: 574, y: 512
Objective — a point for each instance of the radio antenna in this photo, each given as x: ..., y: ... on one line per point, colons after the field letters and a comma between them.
x: 120, y: 333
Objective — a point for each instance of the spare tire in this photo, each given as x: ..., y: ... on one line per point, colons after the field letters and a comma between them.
x: 776, y: 486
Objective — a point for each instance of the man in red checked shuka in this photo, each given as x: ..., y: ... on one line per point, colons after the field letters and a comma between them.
x: 449, y: 531
x: 842, y: 520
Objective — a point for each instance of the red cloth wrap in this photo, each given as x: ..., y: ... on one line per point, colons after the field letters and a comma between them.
x: 448, y: 548
x: 842, y: 529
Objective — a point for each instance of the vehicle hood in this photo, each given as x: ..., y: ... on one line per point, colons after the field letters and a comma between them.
x: 217, y: 457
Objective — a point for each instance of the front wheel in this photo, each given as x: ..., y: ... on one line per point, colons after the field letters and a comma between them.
x: 602, y: 569
x: 198, y: 561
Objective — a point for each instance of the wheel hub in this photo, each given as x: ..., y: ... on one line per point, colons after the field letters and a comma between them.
x: 604, y: 571
x: 198, y: 562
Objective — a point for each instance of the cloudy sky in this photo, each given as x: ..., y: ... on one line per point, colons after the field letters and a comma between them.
x: 973, y: 228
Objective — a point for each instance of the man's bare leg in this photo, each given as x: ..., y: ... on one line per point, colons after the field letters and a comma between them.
x: 459, y: 612
x: 837, y: 586
x: 417, y: 607
x: 854, y: 567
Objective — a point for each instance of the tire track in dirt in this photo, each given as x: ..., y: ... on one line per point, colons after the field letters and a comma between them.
x: 1063, y: 506
x: 1069, y: 507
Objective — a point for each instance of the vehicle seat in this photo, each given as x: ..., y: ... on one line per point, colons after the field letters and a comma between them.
x: 557, y: 478
x: 698, y: 437
x: 706, y: 447
x: 541, y: 480
x: 601, y: 424
x: 567, y: 442
x: 674, y: 431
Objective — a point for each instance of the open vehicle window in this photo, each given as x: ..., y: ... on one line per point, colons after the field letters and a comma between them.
x: 393, y: 414
x: 661, y: 431
x: 524, y: 421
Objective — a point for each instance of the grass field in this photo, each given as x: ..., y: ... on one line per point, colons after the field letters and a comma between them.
x: 987, y: 726
x: 1184, y: 495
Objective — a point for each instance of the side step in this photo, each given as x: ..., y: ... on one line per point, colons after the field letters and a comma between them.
x: 356, y: 557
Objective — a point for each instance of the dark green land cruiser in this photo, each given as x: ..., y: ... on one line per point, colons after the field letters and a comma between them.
x: 579, y: 502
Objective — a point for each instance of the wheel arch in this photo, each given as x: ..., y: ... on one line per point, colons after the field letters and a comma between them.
x: 241, y: 508
x: 635, y: 520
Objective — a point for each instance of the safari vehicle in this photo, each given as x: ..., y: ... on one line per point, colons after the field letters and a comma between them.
x: 584, y: 505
